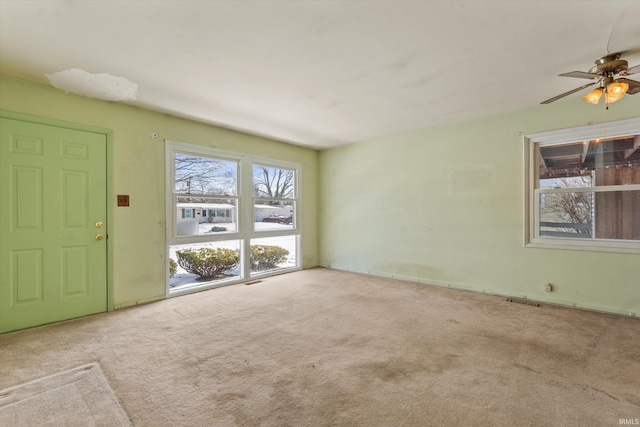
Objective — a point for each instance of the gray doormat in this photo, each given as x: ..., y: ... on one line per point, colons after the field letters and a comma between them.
x: 78, y: 397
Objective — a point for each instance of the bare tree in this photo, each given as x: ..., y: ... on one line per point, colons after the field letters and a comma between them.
x: 203, y: 175
x: 273, y: 182
x: 573, y: 208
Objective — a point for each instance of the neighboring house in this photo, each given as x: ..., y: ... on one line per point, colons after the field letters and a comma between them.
x: 264, y: 211
x: 206, y: 212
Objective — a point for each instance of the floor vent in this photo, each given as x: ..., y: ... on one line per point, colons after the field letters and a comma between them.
x: 253, y: 283
x: 524, y: 301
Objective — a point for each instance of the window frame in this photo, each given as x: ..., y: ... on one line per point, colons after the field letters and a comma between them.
x: 532, y: 237
x: 244, y: 212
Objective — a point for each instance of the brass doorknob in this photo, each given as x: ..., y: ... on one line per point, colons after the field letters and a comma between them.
x: 99, y: 236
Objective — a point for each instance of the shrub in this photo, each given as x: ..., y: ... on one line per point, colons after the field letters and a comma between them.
x: 173, y: 267
x: 208, y: 263
x: 217, y: 229
x: 265, y: 257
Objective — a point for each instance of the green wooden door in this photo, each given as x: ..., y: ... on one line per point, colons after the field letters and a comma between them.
x: 53, y: 249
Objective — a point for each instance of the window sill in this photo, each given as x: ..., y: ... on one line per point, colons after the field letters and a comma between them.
x: 581, y: 245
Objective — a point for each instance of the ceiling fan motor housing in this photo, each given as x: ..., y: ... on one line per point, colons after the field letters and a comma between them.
x: 609, y: 65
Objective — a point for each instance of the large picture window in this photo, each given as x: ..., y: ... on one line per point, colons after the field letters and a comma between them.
x: 583, y: 188
x: 230, y: 217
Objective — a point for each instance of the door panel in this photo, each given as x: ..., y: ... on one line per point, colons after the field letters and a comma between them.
x: 53, y: 183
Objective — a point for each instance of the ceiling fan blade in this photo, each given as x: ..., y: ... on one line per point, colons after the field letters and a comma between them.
x: 580, y: 75
x: 630, y: 71
x: 634, y: 86
x: 555, y: 98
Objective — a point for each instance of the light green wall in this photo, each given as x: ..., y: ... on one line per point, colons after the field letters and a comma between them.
x: 445, y: 205
x: 137, y: 233
x: 442, y: 205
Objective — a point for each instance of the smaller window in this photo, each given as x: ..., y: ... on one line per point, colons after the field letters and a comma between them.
x: 274, y: 198
x: 583, y: 188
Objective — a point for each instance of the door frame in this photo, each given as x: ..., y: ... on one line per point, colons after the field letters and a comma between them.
x: 108, y: 133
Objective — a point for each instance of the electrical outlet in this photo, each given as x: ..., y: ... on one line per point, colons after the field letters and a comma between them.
x: 548, y: 287
x: 123, y: 200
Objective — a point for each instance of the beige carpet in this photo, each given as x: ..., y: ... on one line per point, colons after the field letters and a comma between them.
x: 77, y: 397
x: 328, y: 348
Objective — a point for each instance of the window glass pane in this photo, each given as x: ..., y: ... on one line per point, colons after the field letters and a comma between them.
x: 613, y: 161
x: 566, y: 215
x: 616, y: 215
x: 196, y: 264
x: 271, y: 216
x: 205, y: 175
x: 567, y: 182
x: 618, y: 176
x: 273, y: 182
x: 205, y: 216
x: 600, y: 215
x: 272, y: 253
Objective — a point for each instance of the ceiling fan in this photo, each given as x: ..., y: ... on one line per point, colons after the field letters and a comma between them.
x: 609, y: 74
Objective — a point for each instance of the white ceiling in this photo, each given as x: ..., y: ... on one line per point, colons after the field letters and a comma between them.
x: 322, y: 73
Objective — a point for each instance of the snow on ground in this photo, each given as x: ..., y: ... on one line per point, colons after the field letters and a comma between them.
x: 182, y: 278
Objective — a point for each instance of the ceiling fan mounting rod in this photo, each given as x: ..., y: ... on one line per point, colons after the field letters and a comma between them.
x: 605, y: 81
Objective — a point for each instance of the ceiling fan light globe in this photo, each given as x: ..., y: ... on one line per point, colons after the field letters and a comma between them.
x: 593, y: 97
x: 618, y: 89
x: 613, y: 97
